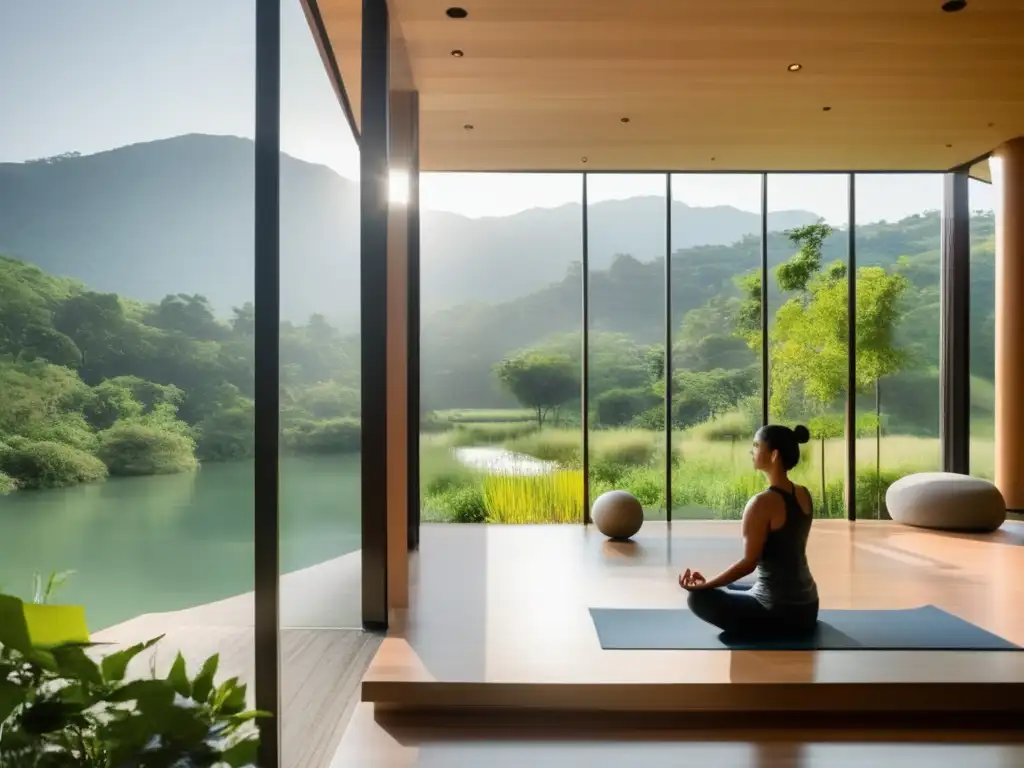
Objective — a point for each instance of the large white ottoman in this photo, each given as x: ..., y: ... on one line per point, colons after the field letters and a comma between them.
x: 946, y: 502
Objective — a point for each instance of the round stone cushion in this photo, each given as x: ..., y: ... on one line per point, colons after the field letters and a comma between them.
x: 617, y: 514
x: 946, y: 502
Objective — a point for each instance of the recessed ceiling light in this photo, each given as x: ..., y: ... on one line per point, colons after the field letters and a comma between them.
x: 458, y: 54
x: 583, y: 159
x: 826, y: 109
x: 949, y: 146
x: 795, y: 67
x: 712, y: 159
x: 457, y: 13
x: 624, y: 119
x: 952, y: 6
x: 468, y: 126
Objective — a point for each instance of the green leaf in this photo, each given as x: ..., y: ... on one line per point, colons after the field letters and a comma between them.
x: 178, y: 677
x: 74, y: 663
x: 13, y: 627
x: 11, y: 696
x: 242, y: 754
x: 43, y: 659
x: 145, y: 692
x: 202, y: 686
x: 115, y: 665
x: 233, y: 702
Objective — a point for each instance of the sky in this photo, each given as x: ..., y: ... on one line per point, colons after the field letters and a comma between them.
x: 93, y: 75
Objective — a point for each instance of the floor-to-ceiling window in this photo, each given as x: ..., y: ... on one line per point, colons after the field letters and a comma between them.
x: 715, y: 323
x: 627, y: 216
x: 501, y: 304
x: 898, y: 240
x: 479, y: 412
x: 808, y: 349
x: 126, y: 289
x: 320, y: 524
x: 983, y: 327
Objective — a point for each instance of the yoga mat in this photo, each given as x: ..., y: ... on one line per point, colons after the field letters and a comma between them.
x: 916, y: 629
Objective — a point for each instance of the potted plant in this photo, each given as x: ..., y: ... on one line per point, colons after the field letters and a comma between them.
x: 50, y: 624
x: 60, y: 707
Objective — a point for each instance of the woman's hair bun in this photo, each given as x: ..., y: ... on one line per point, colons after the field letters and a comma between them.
x: 802, y: 434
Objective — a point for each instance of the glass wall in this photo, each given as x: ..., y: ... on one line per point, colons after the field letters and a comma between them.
x: 715, y: 326
x: 501, y: 303
x: 983, y: 329
x: 716, y: 341
x: 898, y: 238
x: 808, y: 258
x: 626, y: 230
x: 126, y: 234
x: 320, y: 519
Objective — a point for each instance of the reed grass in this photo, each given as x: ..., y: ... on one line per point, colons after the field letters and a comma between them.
x: 555, y: 497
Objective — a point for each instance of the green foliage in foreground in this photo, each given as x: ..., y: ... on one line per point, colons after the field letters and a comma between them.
x: 60, y: 707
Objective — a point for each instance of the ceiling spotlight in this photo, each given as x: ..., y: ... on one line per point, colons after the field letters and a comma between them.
x: 624, y: 119
x: 457, y: 13
x: 826, y: 109
x: 952, y: 6
x: 794, y: 67
x: 712, y: 159
x: 583, y: 159
x: 949, y: 146
x: 468, y: 126
x: 458, y: 54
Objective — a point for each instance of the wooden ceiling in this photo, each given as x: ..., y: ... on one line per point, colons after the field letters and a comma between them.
x: 550, y: 84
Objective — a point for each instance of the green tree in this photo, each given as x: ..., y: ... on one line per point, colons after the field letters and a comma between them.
x: 540, y: 380
x: 95, y: 323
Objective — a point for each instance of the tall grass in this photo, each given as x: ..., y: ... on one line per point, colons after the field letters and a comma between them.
x: 556, y: 497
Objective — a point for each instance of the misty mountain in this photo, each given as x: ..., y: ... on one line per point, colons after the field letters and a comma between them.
x: 176, y: 215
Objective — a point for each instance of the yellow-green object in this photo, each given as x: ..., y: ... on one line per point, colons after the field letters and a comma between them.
x: 51, y: 625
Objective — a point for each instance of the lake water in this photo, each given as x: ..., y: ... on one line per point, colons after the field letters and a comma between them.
x: 149, y: 544
x: 498, y: 461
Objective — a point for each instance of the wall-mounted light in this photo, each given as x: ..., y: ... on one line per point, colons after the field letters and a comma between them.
x: 952, y: 6
x: 468, y: 126
x: 398, y: 186
x: 458, y: 53
x: 795, y: 67
x: 456, y: 13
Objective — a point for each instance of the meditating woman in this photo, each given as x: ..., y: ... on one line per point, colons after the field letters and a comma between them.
x: 784, y: 600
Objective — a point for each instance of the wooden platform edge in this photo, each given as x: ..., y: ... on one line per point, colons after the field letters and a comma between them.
x: 962, y: 697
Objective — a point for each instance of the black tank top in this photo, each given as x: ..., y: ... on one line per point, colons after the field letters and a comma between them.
x: 783, y: 575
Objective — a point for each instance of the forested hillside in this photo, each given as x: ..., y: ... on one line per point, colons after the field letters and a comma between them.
x: 96, y: 383
x: 461, y: 345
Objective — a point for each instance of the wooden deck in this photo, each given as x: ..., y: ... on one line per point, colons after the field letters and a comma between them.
x: 499, y: 618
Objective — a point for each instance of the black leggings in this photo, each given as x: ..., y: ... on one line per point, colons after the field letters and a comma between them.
x: 740, y: 615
